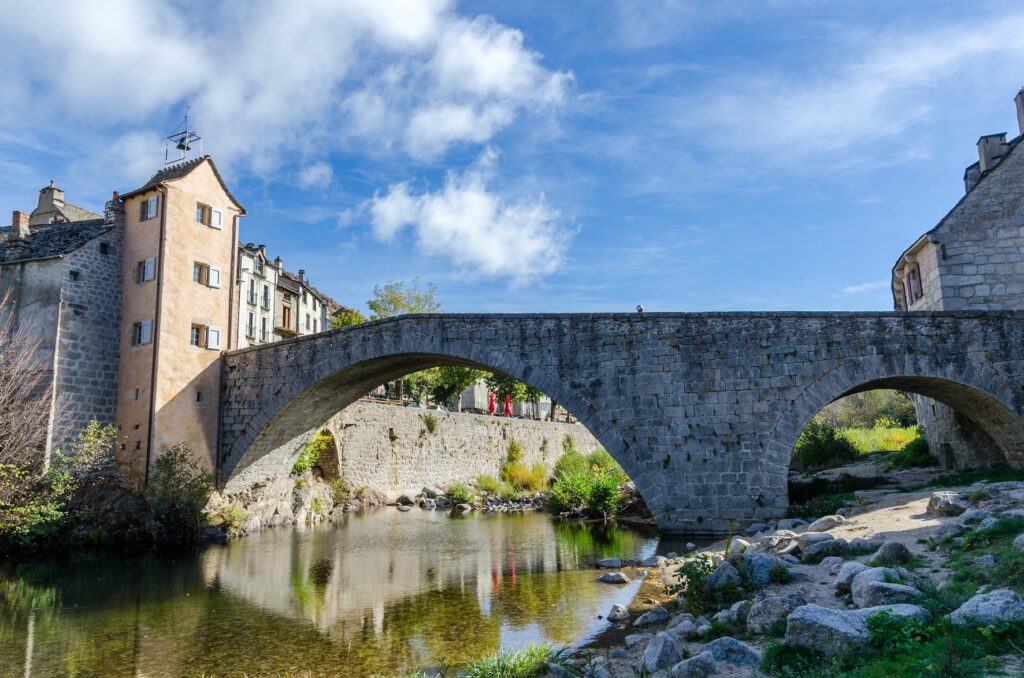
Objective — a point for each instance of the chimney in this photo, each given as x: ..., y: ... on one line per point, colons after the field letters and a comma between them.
x: 991, y: 149
x: 19, y: 224
x: 302, y: 275
x: 113, y: 211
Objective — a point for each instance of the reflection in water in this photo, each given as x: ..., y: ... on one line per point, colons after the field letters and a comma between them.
x: 383, y: 593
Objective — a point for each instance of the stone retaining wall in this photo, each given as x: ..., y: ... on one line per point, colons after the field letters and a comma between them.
x: 390, y: 448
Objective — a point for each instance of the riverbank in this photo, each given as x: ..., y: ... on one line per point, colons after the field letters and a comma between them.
x: 771, y: 600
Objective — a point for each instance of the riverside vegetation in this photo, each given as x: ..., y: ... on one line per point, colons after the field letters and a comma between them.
x: 88, y: 497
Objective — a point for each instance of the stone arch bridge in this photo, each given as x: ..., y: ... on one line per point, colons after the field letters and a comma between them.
x: 701, y: 409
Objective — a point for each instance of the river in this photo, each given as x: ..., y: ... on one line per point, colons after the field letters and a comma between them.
x: 383, y: 593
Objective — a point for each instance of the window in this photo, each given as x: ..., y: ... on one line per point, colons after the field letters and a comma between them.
x: 216, y: 219
x: 286, y: 317
x: 147, y: 209
x: 308, y: 323
x: 196, y: 335
x: 250, y: 329
x: 212, y: 337
x: 142, y: 333
x: 200, y: 273
x: 203, y: 213
x: 145, y: 270
x: 104, y: 248
x: 266, y: 296
x: 138, y: 444
x: 213, y: 277
x: 912, y: 283
x: 304, y: 299
x: 199, y: 396
x: 314, y: 325
x: 314, y: 303
x: 263, y: 329
x: 258, y: 266
x: 75, y: 275
x: 252, y: 292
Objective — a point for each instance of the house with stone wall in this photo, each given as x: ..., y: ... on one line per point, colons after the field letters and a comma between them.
x: 973, y: 259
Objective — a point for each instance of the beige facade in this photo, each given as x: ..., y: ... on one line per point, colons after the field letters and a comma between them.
x: 177, y: 324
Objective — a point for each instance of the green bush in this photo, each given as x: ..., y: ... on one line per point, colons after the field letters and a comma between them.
x: 819, y: 506
x: 320, y: 506
x: 603, y: 499
x: 489, y: 484
x: 568, y: 444
x: 310, y: 453
x: 177, y: 492
x: 570, y: 462
x: 342, y: 493
x: 821, y: 445
x: 914, y: 454
x: 430, y: 421
x: 570, y: 492
x: 692, y: 576
x: 459, y: 493
x: 231, y: 517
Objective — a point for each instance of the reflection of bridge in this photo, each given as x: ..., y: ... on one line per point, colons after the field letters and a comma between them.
x: 702, y: 410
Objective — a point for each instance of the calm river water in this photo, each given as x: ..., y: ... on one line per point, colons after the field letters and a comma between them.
x: 382, y: 594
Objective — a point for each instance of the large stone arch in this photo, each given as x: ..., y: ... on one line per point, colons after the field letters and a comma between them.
x: 341, y: 377
x: 988, y: 398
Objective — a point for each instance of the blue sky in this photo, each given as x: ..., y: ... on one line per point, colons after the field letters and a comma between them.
x: 534, y: 156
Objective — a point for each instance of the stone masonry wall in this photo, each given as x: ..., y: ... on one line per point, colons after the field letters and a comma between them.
x: 390, y: 449
x: 701, y: 410
x: 87, y: 343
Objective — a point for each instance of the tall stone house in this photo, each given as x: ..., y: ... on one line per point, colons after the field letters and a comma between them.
x: 134, y: 308
x: 973, y: 259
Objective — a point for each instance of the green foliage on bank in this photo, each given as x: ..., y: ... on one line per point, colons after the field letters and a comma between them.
x: 820, y: 446
x: 310, y: 453
x: 90, y: 497
x: 526, y: 663
x: 587, y: 483
x: 905, y: 648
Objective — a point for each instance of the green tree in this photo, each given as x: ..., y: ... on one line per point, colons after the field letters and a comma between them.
x: 506, y: 386
x: 396, y: 299
x: 452, y: 381
x: 347, y: 317
x: 420, y: 384
x: 533, y: 395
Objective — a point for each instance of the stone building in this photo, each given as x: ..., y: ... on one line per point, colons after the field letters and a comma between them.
x: 60, y: 279
x: 134, y: 308
x: 973, y: 259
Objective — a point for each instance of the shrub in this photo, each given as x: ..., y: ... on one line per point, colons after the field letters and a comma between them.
x: 310, y: 453
x: 692, y: 576
x: 570, y: 462
x: 320, y: 505
x: 177, y: 492
x: 533, y: 479
x: 819, y: 506
x: 568, y: 444
x: 231, y: 517
x: 604, y: 495
x: 489, y: 484
x: 915, y: 453
x: 570, y: 492
x: 459, y: 493
x: 342, y: 493
x: 430, y: 421
x: 821, y: 446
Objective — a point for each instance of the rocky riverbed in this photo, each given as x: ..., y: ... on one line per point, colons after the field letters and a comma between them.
x: 808, y: 584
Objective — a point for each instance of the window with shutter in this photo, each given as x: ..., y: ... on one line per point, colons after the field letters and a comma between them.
x: 214, y: 277
x: 149, y: 269
x: 212, y: 337
x: 216, y: 218
x: 147, y: 332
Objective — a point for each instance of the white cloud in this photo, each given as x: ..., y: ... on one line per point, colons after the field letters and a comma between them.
x: 483, y: 232
x: 264, y: 78
x: 317, y: 175
x: 865, y: 287
x: 871, y: 89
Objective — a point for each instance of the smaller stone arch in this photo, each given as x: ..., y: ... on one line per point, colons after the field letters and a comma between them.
x: 990, y: 399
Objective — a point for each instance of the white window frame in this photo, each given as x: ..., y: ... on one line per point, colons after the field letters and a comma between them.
x: 213, y: 276
x: 213, y: 338
x: 142, y: 333
x: 216, y: 219
x: 148, y: 208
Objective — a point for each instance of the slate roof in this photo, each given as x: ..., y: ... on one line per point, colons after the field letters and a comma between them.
x: 54, y: 240
x: 330, y: 303
x: 179, y: 170
x: 76, y: 213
